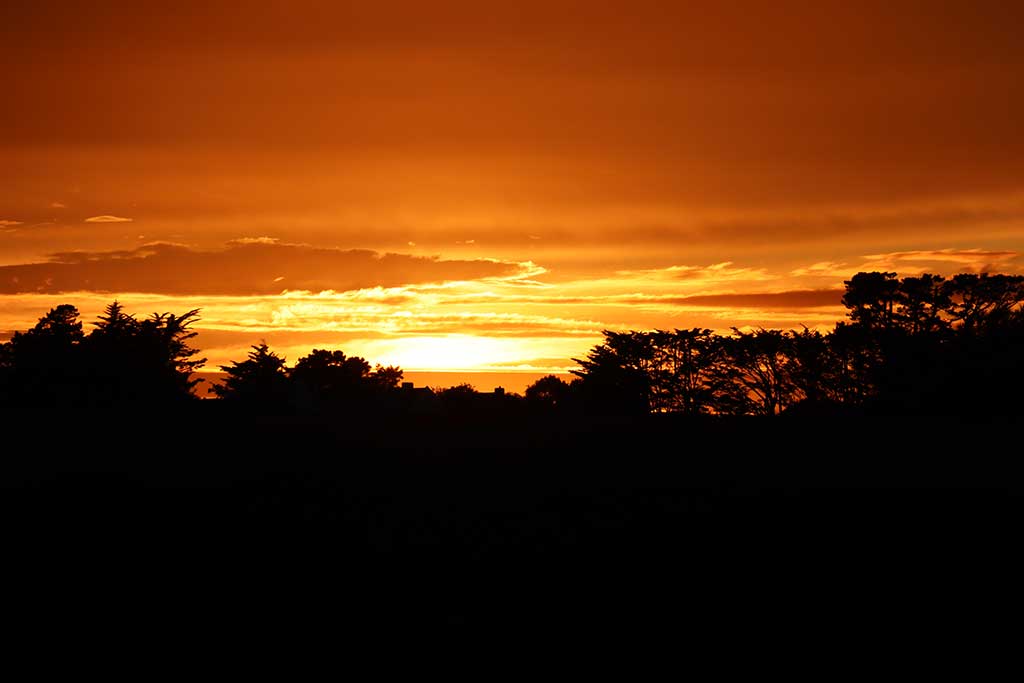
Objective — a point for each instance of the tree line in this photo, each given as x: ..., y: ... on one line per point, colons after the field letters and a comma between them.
x: 912, y: 345
x: 916, y: 345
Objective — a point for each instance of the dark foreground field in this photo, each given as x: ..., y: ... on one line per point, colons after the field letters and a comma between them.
x: 427, y: 519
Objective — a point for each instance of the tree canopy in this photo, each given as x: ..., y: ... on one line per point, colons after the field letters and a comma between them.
x: 323, y: 380
x: 121, y: 362
x: 922, y: 344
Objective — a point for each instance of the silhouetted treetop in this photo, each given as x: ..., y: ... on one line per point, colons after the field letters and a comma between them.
x: 260, y: 380
x: 387, y: 377
x: 616, y: 375
x: 931, y: 304
x: 114, y: 322
x: 871, y: 298
x: 326, y: 379
x: 121, y: 362
x: 911, y: 345
x: 549, y: 393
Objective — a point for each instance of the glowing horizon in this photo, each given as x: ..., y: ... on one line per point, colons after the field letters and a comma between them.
x: 469, y: 188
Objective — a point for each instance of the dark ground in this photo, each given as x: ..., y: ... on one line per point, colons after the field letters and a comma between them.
x: 660, y: 518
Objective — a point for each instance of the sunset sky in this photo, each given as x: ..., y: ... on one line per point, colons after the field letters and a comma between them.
x: 487, y: 186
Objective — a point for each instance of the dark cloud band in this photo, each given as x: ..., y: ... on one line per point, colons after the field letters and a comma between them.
x: 243, y: 268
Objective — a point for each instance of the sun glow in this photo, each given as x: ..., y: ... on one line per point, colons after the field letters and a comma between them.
x: 449, y: 352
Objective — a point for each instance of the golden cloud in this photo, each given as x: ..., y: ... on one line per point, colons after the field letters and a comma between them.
x: 108, y: 219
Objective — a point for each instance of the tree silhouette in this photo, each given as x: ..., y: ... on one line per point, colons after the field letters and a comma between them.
x: 167, y: 335
x: 140, y: 363
x: 549, y: 393
x: 114, y: 322
x: 814, y: 369
x: 946, y: 349
x: 330, y: 379
x: 331, y: 376
x: 121, y: 363
x: 259, y: 382
x: 60, y: 325
x: 921, y: 304
x: 984, y: 300
x: 45, y: 363
x: 761, y: 360
x: 386, y: 378
x: 117, y: 361
x: 616, y: 375
x: 461, y: 400
x: 919, y: 344
x: 689, y: 376
x: 871, y: 298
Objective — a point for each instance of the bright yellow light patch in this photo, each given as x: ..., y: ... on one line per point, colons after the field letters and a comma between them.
x: 450, y: 352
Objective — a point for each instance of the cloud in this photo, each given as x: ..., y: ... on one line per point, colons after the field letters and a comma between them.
x: 716, y: 272
x: 245, y: 268
x: 58, y: 205
x: 967, y: 257
x: 255, y: 240
x: 804, y: 298
x: 501, y: 325
x: 8, y: 224
x: 108, y: 219
x: 904, y: 263
x: 822, y: 269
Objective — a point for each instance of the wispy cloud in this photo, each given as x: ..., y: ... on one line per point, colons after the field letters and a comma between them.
x: 971, y: 258
x: 58, y: 205
x: 9, y: 224
x: 804, y: 298
x: 716, y: 272
x: 337, y: 314
x: 822, y: 269
x: 255, y: 240
x: 939, y: 261
x: 106, y: 218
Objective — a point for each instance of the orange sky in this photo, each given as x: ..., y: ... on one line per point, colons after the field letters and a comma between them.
x: 463, y: 186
